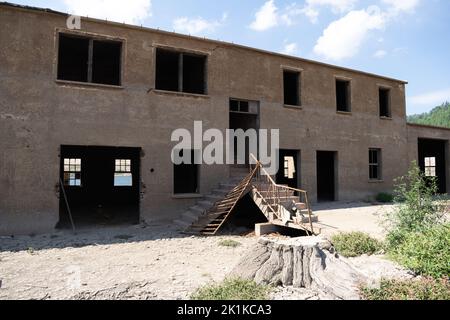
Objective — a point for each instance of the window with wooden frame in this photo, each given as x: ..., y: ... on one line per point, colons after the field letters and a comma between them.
x: 375, y: 164
x: 430, y: 166
x: 72, y: 172
x: 122, y: 173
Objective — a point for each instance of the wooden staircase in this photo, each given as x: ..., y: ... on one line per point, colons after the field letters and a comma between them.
x: 215, y: 217
x: 282, y: 205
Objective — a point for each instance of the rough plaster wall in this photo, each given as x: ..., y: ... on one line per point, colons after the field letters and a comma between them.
x: 37, y: 115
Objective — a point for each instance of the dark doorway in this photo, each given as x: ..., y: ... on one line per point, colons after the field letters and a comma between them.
x: 432, y: 161
x: 289, y: 168
x: 244, y: 115
x: 102, y: 185
x: 326, y: 176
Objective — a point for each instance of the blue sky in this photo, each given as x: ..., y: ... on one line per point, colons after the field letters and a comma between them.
x: 403, y: 39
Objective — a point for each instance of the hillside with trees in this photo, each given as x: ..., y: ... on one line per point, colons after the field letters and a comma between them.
x: 439, y: 116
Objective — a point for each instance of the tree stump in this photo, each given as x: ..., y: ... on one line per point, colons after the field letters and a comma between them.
x: 307, y: 262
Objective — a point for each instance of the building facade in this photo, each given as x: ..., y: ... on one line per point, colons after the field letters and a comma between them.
x: 93, y: 109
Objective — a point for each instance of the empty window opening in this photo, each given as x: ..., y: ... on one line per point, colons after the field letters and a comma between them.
x: 167, y: 70
x: 73, y: 57
x: 194, y: 74
x: 385, y: 102
x: 72, y: 172
x: 291, y: 82
x: 106, y: 62
x: 343, y: 96
x: 176, y: 71
x: 122, y: 175
x: 430, y: 167
x: 186, y: 175
x: 242, y: 106
x: 87, y: 60
x: 375, y: 164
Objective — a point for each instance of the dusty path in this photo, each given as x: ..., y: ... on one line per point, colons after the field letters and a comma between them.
x: 156, y: 263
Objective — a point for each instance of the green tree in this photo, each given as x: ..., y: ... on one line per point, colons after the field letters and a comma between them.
x: 439, y: 116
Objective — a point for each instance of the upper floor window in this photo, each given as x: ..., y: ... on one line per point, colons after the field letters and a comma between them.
x: 89, y: 60
x: 291, y: 84
x: 385, y: 102
x: 181, y: 72
x: 343, y: 101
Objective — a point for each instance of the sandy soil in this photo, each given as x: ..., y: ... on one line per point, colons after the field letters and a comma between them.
x: 339, y: 217
x: 152, y: 262
x: 114, y: 263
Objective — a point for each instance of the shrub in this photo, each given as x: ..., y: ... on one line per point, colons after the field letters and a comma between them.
x: 232, y: 289
x: 385, y: 197
x: 229, y: 243
x: 426, y: 252
x: 416, y: 208
x: 355, y: 244
x: 424, y: 289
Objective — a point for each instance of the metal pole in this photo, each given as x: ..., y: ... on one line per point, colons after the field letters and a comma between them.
x: 67, y: 204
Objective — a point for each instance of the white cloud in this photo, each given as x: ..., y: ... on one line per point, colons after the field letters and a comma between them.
x: 431, y: 99
x: 380, y: 54
x: 344, y: 37
x: 397, y: 6
x: 266, y: 17
x: 290, y: 48
x: 130, y: 11
x: 311, y: 8
x: 198, y: 25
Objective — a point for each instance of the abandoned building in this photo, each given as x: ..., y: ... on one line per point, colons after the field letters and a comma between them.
x: 92, y: 110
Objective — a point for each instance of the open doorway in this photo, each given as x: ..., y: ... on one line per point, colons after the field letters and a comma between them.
x: 326, y: 176
x: 102, y: 185
x: 289, y: 168
x: 432, y: 161
x: 244, y: 114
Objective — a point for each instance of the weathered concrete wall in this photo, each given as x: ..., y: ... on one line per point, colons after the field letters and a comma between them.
x: 38, y: 114
x: 426, y: 132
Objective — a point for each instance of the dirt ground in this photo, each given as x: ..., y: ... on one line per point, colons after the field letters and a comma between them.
x: 136, y: 262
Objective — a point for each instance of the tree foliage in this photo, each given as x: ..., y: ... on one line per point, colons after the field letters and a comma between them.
x: 439, y: 116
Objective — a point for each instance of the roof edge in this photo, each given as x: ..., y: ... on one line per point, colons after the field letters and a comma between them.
x: 130, y: 26
x: 426, y: 126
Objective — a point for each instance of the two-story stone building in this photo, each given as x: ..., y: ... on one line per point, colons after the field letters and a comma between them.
x: 95, y: 108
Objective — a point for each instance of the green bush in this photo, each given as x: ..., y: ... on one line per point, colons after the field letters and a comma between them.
x: 424, y: 289
x: 232, y: 289
x: 229, y: 243
x: 355, y: 244
x: 385, y: 197
x: 416, y: 208
x: 426, y: 252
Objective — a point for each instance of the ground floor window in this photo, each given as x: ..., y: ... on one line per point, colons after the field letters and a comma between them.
x: 122, y: 175
x: 72, y: 172
x: 375, y: 164
x: 185, y: 175
x: 430, y: 167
